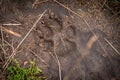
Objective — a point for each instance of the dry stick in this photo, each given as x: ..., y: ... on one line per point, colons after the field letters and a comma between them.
x: 112, y: 46
x: 14, y: 52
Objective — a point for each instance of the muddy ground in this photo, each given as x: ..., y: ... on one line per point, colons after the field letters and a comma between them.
x: 74, y: 40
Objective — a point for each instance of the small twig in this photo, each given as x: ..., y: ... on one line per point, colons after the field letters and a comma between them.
x: 112, y: 46
x: 10, y: 31
x: 59, y: 65
x: 14, y: 52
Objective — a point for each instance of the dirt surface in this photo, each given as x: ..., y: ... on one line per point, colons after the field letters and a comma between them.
x: 66, y: 45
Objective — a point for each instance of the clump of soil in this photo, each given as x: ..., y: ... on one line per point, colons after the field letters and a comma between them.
x: 68, y: 43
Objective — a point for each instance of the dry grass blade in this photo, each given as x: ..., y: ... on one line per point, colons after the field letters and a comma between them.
x: 53, y: 57
x: 11, y: 45
x: 3, y: 50
x: 11, y: 24
x: 36, y: 2
x: 68, y: 9
x: 14, y: 52
x: 10, y: 31
x: 2, y: 43
x: 2, y: 35
x: 112, y: 46
x: 58, y: 62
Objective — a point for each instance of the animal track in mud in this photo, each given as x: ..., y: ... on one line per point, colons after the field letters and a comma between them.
x: 52, y: 31
x: 77, y: 51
